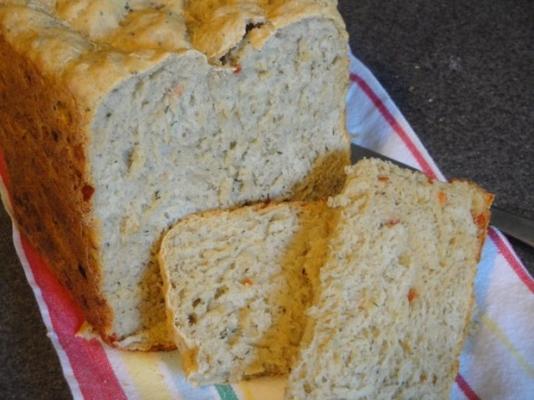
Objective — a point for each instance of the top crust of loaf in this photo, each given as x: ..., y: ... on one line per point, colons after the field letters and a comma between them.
x: 93, y: 45
x: 396, y: 290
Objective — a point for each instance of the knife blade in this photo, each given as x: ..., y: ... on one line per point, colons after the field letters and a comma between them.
x: 511, y: 224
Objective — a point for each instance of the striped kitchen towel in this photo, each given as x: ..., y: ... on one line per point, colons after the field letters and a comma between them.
x: 497, y: 361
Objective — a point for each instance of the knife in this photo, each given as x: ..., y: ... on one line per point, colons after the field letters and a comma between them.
x: 513, y: 225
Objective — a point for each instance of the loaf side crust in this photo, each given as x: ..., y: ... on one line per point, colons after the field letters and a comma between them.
x: 481, y: 212
x: 44, y: 144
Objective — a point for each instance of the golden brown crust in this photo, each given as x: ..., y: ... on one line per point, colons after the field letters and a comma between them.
x: 42, y: 138
x: 481, y: 211
x: 216, y: 26
x: 481, y: 217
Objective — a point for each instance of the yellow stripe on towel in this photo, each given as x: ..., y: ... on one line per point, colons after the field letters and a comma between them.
x: 145, y: 374
x: 262, y: 388
x: 501, y: 336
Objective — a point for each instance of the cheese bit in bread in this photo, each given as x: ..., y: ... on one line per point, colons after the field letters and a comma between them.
x: 237, y: 284
x: 396, y: 292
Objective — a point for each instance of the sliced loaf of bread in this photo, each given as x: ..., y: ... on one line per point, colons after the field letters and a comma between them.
x: 237, y: 284
x: 396, y: 292
x: 120, y: 117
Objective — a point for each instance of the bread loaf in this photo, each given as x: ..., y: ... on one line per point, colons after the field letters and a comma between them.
x: 396, y: 291
x: 120, y: 117
x: 237, y: 285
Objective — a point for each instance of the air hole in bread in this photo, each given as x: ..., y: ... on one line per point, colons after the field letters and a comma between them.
x: 192, y: 319
x: 55, y: 135
x: 228, y: 58
x: 249, y: 27
x: 220, y: 291
x: 81, y: 269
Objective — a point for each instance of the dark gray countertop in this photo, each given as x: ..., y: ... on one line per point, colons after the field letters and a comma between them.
x: 460, y: 71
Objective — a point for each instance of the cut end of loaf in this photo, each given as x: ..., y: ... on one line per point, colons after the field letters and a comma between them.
x: 237, y: 284
x: 396, y: 290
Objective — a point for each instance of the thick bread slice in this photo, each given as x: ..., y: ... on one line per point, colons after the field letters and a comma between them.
x: 120, y: 117
x: 237, y: 284
x: 396, y: 291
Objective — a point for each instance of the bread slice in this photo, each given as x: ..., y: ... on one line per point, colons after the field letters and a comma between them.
x: 395, y: 294
x: 120, y: 117
x: 237, y: 284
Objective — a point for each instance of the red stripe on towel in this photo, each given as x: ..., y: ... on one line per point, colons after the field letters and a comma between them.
x: 464, y: 386
x: 390, y: 119
x: 88, y: 359
x: 511, y: 259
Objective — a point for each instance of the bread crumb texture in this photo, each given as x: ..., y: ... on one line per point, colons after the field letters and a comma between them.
x: 237, y: 286
x: 396, y: 291
x: 121, y: 117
